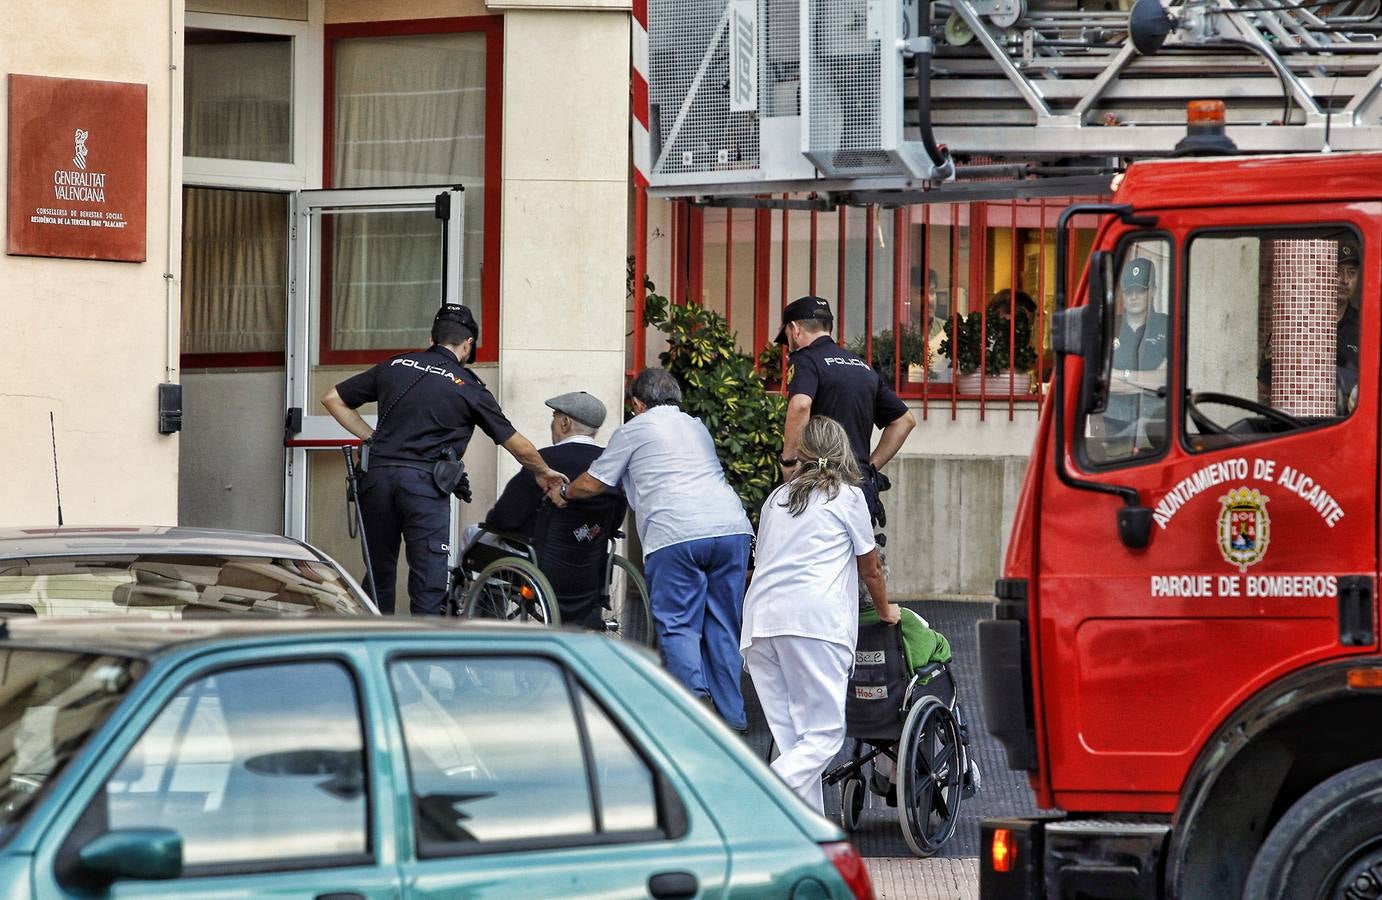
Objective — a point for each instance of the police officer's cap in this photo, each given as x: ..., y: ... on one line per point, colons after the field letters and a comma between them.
x: 584, y: 408
x: 462, y: 316
x: 803, y: 308
x: 1138, y: 274
x: 1348, y: 253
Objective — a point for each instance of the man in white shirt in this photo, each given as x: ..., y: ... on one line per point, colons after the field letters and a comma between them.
x: 694, y: 532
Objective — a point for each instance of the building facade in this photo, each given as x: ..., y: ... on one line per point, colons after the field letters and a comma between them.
x: 288, y: 246
x: 294, y: 154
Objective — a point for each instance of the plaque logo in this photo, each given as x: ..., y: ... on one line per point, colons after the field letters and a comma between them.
x: 79, y: 158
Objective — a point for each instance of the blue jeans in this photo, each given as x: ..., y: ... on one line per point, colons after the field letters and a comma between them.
x: 696, y: 589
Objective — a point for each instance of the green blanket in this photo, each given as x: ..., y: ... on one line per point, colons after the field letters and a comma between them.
x: 924, y: 645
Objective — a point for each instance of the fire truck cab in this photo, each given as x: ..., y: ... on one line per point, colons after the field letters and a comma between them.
x: 1184, y: 655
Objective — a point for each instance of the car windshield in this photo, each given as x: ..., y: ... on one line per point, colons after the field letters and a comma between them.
x: 50, y: 704
x: 172, y: 586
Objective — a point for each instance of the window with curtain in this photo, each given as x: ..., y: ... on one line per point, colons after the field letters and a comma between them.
x: 234, y: 268
x: 238, y: 96
x: 409, y: 110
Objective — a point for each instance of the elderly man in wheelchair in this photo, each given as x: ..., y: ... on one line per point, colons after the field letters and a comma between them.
x: 532, y: 561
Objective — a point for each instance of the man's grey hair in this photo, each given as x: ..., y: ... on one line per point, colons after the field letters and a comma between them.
x: 582, y: 428
x: 656, y: 387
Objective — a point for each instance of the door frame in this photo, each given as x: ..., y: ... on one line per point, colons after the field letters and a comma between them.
x: 303, y: 430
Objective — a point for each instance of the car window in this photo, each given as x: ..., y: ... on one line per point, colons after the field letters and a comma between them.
x: 628, y: 801
x: 1273, y: 333
x: 252, y: 765
x: 50, y: 703
x: 498, y: 752
x: 172, y: 586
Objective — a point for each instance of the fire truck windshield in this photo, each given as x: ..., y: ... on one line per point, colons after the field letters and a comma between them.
x: 1271, y: 324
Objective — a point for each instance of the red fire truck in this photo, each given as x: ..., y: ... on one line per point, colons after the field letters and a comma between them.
x: 1185, y: 650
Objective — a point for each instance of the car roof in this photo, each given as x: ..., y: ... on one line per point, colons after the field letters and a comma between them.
x: 127, y: 636
x: 20, y: 543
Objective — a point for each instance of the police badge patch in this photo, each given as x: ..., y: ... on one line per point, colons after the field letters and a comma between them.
x: 1244, y: 528
x: 791, y: 373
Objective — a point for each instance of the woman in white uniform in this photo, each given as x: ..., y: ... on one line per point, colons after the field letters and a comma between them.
x: 801, y: 614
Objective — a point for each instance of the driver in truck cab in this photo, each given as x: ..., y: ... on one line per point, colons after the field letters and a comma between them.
x: 1136, y: 409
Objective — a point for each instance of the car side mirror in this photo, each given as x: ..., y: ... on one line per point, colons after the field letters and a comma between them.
x: 147, y: 854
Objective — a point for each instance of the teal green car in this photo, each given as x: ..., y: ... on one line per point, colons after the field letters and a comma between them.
x: 368, y: 759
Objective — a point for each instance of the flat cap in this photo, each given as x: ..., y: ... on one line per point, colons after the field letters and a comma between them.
x: 584, y: 408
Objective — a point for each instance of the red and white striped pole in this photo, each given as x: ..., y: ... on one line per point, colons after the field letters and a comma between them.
x: 641, y: 145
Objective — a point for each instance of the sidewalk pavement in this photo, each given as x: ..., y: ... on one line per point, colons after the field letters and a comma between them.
x: 897, y: 878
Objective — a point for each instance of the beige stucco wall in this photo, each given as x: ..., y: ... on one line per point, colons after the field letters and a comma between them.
x: 565, y: 163
x: 86, y: 340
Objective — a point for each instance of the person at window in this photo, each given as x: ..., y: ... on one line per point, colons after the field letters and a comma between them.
x: 429, y: 406
x: 801, y: 614
x: 825, y: 379
x: 938, y: 364
x: 571, y: 544
x: 694, y: 532
x: 1136, y: 410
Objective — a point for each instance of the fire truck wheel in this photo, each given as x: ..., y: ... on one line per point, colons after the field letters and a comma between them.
x: 1329, y: 844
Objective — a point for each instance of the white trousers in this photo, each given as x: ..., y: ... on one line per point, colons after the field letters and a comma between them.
x: 801, y: 684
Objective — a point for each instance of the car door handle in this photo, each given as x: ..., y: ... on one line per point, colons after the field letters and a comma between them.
x: 341, y: 895
x: 673, y: 885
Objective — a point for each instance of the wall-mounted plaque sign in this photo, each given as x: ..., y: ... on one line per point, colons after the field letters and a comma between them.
x: 77, y: 168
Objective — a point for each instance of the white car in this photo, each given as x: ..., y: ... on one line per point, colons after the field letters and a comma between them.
x: 169, y: 572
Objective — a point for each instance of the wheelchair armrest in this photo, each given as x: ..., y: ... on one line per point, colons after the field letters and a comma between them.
x: 512, y: 537
x: 930, y: 670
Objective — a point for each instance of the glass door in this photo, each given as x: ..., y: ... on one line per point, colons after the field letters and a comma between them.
x: 370, y: 268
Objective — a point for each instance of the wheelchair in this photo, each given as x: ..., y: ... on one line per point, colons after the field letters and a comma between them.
x: 913, y: 719
x: 500, y: 579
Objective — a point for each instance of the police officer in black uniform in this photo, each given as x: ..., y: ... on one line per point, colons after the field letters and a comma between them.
x: 825, y: 379
x: 429, y: 405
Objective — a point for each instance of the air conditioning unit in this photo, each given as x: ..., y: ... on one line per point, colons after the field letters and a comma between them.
x: 724, y: 92
x: 852, y: 61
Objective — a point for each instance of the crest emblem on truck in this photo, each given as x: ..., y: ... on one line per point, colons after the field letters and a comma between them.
x: 1245, y: 529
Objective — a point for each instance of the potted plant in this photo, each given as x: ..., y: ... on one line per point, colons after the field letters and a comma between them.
x: 987, y: 343
x: 913, y: 352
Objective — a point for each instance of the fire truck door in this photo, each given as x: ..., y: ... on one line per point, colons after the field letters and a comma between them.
x: 1237, y: 412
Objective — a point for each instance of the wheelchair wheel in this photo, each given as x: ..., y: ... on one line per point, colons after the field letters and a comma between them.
x: 629, y: 617
x: 930, y: 775
x: 458, y: 585
x: 852, y: 803
x: 512, y: 590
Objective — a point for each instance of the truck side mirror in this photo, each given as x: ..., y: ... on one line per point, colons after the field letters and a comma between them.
x: 1081, y: 332
x: 1098, y: 348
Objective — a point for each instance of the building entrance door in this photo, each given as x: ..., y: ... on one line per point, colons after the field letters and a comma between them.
x: 370, y: 267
